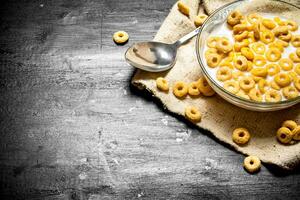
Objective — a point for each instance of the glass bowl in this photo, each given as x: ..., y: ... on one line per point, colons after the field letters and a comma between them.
x: 273, y: 7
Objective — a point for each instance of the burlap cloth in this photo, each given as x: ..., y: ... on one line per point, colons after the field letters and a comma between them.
x: 218, y: 116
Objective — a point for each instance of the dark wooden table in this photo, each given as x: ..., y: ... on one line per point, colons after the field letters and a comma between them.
x: 72, y: 127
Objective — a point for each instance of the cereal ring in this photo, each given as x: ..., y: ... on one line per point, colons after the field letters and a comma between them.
x: 284, y: 135
x: 193, y: 89
x: 240, y: 63
x: 292, y: 26
x: 286, y: 64
x: 283, y: 43
x: 204, y: 87
x: 273, y: 69
x: 193, y: 114
x: 241, y: 36
x: 273, y: 54
x: 242, y: 94
x: 223, y: 45
x: 296, y: 133
x: 120, y: 37
x: 184, y: 9
x: 277, y: 45
x: 247, y: 83
x: 239, y: 45
x: 260, y: 72
x: 259, y: 60
x: 210, y: 51
x: 290, y: 92
x: 294, y: 57
x: 256, y: 30
x: 268, y: 23
x: 296, y: 41
x: 236, y: 74
x: 180, y: 89
x: 250, y: 66
x: 286, y: 36
x: 258, y: 48
x: 247, y: 53
x: 240, y: 136
x: 272, y: 96
x: 290, y: 124
x: 212, y: 42
x: 262, y: 84
x: 213, y: 60
x: 255, y: 95
x: 278, y: 21
x: 254, y: 18
x: 257, y: 78
x: 251, y: 37
x: 297, y: 69
x: 252, y: 164
x: 298, y: 52
x: 267, y: 37
x: 274, y: 85
x: 224, y: 74
x: 282, y: 79
x: 297, y: 83
x: 234, y: 18
x: 199, y: 20
x: 292, y: 74
x: 226, y: 64
x: 231, y: 86
x: 162, y: 84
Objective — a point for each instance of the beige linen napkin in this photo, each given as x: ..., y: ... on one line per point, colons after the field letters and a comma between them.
x: 218, y: 116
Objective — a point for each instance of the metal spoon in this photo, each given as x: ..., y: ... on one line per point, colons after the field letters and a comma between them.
x: 155, y: 56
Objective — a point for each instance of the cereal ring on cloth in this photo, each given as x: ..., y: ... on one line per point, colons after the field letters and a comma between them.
x: 286, y: 64
x: 273, y: 54
x: 272, y: 96
x: 223, y: 45
x: 193, y: 114
x: 184, y: 9
x: 199, y: 20
x: 162, y: 84
x: 255, y: 95
x: 290, y: 92
x: 224, y: 74
x: 241, y: 136
x: 290, y: 124
x: 252, y: 164
x: 193, y: 89
x: 240, y: 63
x: 120, y: 37
x: 232, y: 86
x: 204, y: 87
x: 282, y: 79
x: 234, y: 18
x: 284, y: 135
x: 213, y: 60
x: 180, y: 89
x: 296, y: 133
x: 247, y: 83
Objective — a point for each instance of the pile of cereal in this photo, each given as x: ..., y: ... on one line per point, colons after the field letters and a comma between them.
x: 263, y: 62
x: 288, y: 132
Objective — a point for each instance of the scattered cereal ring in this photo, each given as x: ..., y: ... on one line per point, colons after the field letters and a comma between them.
x: 267, y: 37
x: 286, y: 64
x: 180, y: 89
x: 247, y: 83
x: 240, y: 63
x: 193, y: 89
x: 213, y: 60
x: 204, y: 87
x: 273, y: 69
x: 199, y: 20
x: 282, y: 79
x: 254, y: 18
x: 292, y: 26
x: 234, y: 18
x: 297, y: 83
x: 184, y: 9
x: 255, y: 95
x: 296, y: 133
x: 252, y: 164
x: 262, y: 84
x: 247, y: 53
x: 240, y: 136
x: 162, y: 84
x: 223, y: 45
x: 290, y: 92
x: 242, y: 94
x: 294, y: 58
x: 284, y: 135
x: 224, y: 74
x: 290, y: 124
x: 260, y: 72
x: 120, y: 37
x: 258, y: 48
x: 273, y: 54
x: 259, y: 60
x: 272, y: 96
x: 268, y: 23
x: 297, y: 69
x: 212, y: 42
x: 192, y: 113
x: 232, y: 86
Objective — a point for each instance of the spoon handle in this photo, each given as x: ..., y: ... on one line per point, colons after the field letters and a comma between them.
x: 187, y: 37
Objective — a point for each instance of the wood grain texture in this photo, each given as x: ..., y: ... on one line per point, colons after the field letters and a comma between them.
x: 73, y: 128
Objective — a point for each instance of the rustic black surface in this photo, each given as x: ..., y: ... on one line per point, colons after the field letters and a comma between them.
x: 73, y: 128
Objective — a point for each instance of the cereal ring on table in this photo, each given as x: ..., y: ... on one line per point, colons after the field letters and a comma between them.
x: 213, y: 60
x: 273, y: 54
x: 237, y: 74
x: 240, y: 63
x: 224, y: 74
x: 240, y: 136
x: 247, y: 83
x: 276, y: 45
x: 296, y: 133
x: 268, y: 23
x: 210, y: 51
x: 255, y: 95
x: 252, y: 164
x: 267, y: 37
x: 254, y: 18
x: 223, y: 45
x: 286, y: 64
x: 262, y: 85
x: 242, y: 94
x: 259, y: 60
x: 193, y: 89
x: 282, y: 79
x: 274, y: 85
x: 199, y: 20
x: 297, y: 83
x: 246, y: 51
x: 292, y: 26
x: 296, y: 41
x: 259, y: 71
x: 234, y: 18
x: 284, y: 135
x: 286, y: 37
x: 273, y: 69
x: 180, y: 89
x: 272, y: 96
x: 226, y: 64
x: 239, y: 45
x: 241, y: 36
x: 232, y: 86
x: 212, y: 42
x: 258, y: 48
x: 162, y: 84
x: 184, y: 9
x: 290, y: 92
x: 204, y: 87
x: 297, y: 69
x: 120, y: 37
x: 280, y: 30
x: 298, y: 52
x: 294, y: 57
x: 193, y: 114
x: 290, y: 124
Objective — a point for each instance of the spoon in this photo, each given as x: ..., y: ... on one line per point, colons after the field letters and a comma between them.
x: 155, y: 56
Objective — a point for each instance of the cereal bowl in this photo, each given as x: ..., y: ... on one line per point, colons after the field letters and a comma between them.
x: 217, y: 22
